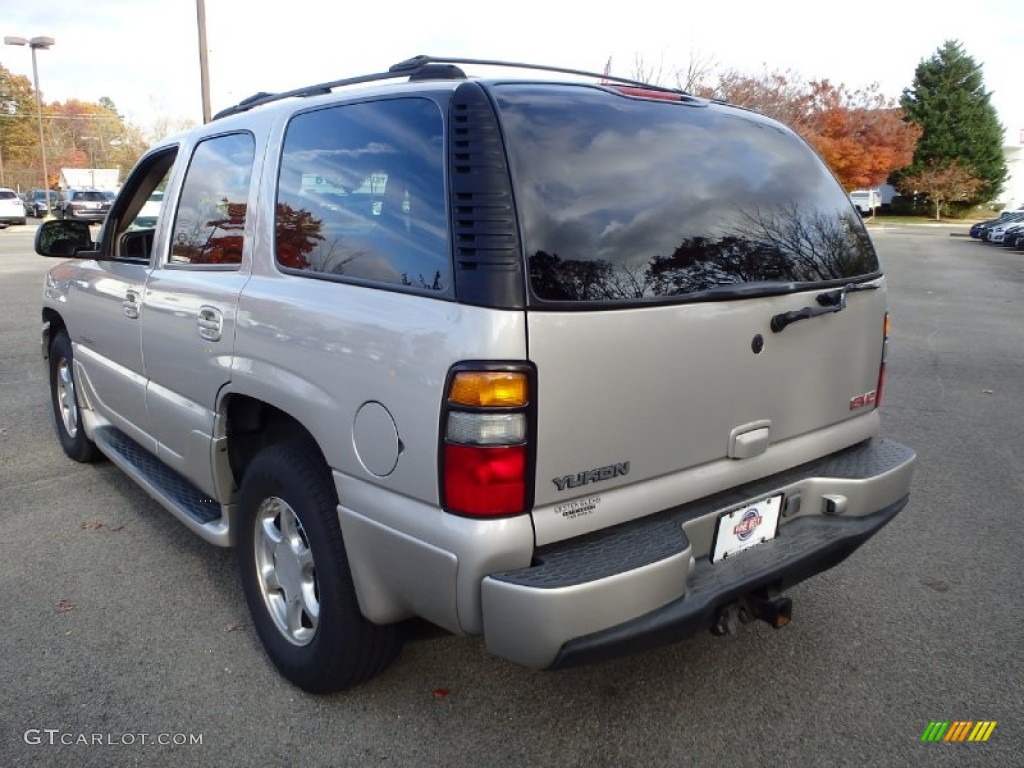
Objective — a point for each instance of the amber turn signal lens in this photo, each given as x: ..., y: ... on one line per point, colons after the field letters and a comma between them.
x: 489, y: 389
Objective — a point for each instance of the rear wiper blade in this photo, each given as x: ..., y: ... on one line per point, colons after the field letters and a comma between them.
x: 745, y: 290
x: 829, y: 301
x: 838, y: 296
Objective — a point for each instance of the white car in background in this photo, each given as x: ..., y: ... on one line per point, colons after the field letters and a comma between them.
x: 12, y: 208
x: 150, y: 211
x: 997, y: 231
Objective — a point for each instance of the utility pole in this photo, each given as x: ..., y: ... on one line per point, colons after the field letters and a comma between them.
x: 204, y: 64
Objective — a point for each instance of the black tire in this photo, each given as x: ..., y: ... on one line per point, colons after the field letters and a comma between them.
x: 67, y: 417
x: 338, y: 648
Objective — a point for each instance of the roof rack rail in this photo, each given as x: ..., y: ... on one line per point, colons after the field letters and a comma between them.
x: 416, y: 62
x: 425, y: 67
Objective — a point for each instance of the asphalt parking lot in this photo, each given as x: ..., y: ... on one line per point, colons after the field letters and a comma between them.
x: 122, y: 628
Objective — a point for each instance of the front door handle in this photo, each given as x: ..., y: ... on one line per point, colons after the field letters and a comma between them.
x: 211, y: 323
x: 131, y: 304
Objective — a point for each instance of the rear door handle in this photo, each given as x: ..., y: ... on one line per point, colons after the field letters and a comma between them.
x: 211, y: 323
x: 131, y: 304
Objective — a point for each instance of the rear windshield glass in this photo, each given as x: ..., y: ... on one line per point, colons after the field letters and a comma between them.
x: 95, y: 197
x: 6, y: 194
x: 623, y: 199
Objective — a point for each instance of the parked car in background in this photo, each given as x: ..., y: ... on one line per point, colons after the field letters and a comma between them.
x: 995, y: 232
x: 146, y: 219
x: 38, y: 205
x: 82, y: 204
x: 979, y: 230
x: 1013, y: 235
x: 976, y: 228
x: 12, y: 209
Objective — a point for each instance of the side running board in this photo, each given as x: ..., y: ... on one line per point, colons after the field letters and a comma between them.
x: 201, y: 514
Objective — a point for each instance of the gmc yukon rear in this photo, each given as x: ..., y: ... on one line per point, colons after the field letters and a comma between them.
x: 578, y: 367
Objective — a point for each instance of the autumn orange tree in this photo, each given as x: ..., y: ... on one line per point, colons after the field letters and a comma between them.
x: 86, y: 134
x: 19, y: 132
x: 943, y: 182
x: 860, y: 133
x: 77, y: 134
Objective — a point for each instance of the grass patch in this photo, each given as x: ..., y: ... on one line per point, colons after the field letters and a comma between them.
x: 883, y: 219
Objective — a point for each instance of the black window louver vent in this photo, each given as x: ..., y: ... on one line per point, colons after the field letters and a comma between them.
x: 488, y: 264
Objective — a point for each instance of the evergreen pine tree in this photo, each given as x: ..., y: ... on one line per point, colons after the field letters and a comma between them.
x: 950, y: 104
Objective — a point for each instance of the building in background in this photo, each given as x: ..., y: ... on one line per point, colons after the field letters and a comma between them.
x: 90, y: 178
x: 1012, y: 195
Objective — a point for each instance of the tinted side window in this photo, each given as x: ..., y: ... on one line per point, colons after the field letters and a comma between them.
x: 623, y: 199
x: 210, y: 221
x: 361, y: 194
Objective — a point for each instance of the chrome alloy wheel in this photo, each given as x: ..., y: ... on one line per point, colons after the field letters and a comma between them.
x: 66, y: 398
x: 286, y: 572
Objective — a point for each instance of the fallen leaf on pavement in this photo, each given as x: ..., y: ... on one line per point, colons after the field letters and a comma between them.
x: 234, y: 626
x: 441, y: 693
x: 65, y: 605
x: 92, y: 525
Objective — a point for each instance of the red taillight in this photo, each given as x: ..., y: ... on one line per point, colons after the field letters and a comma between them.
x: 881, y: 367
x: 485, y: 440
x: 485, y: 481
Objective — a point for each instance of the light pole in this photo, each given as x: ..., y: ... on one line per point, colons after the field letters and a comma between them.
x: 36, y: 43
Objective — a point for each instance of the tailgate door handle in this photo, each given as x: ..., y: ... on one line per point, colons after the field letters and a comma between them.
x: 211, y: 323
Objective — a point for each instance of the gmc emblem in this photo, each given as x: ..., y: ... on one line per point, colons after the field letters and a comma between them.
x: 862, y: 401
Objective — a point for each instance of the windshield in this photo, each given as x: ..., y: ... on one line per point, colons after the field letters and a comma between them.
x: 623, y: 199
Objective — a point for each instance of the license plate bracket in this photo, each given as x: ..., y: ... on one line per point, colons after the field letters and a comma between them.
x: 747, y: 526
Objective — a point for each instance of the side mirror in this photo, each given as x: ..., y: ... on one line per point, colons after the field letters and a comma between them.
x: 65, y: 238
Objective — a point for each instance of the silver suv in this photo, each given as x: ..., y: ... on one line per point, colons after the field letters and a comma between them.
x: 577, y: 366
x: 82, y: 204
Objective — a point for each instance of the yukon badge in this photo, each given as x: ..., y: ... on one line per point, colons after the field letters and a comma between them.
x: 591, y: 476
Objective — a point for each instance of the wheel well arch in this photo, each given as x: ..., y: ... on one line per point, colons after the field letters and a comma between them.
x: 53, y: 324
x: 250, y: 425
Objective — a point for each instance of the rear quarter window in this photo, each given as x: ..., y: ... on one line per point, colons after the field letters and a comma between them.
x: 624, y: 199
x: 361, y: 195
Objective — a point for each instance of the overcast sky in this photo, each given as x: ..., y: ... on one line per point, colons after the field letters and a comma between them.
x: 143, y: 54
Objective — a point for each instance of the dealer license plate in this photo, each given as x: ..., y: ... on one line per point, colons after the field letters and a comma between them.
x: 746, y: 527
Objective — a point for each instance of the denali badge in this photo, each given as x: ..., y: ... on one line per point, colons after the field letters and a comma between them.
x: 591, y: 476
